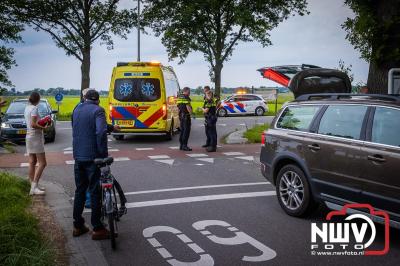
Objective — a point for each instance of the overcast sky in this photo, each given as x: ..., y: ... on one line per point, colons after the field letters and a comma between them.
x: 314, y: 39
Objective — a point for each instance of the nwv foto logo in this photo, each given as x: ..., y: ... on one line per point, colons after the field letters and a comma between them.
x: 349, y: 235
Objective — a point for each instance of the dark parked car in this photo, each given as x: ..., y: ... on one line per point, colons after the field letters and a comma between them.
x: 13, y: 125
x: 335, y: 149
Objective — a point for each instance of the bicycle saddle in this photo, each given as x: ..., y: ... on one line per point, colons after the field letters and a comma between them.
x: 103, y: 161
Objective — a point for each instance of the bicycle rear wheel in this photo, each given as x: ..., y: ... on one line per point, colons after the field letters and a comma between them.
x: 111, y: 225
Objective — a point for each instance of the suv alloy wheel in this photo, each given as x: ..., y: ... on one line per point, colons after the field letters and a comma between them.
x: 293, y: 191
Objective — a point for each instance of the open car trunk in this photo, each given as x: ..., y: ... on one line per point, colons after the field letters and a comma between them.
x: 308, y: 79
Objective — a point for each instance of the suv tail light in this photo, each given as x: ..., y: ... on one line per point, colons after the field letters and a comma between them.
x: 263, y: 138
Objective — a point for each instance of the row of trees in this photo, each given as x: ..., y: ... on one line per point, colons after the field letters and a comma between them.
x: 47, y: 92
x: 212, y: 27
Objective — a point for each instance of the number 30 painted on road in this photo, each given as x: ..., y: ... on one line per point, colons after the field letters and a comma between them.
x: 206, y: 259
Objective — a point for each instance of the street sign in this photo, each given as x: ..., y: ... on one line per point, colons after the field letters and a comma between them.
x: 59, y: 97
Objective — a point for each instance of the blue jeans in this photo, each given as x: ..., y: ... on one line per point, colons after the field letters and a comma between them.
x: 87, y: 177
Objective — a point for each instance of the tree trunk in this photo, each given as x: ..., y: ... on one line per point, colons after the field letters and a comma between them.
x: 217, y: 79
x: 377, y: 79
x: 85, y: 69
x: 379, y: 68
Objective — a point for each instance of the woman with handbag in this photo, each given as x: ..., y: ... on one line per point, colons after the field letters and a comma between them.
x: 35, y: 143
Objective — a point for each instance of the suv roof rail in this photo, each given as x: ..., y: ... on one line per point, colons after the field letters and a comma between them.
x: 349, y: 96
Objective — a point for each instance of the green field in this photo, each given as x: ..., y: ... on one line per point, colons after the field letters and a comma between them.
x: 69, y: 102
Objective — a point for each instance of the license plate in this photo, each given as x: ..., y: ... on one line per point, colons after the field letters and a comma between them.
x: 21, y: 132
x: 126, y: 123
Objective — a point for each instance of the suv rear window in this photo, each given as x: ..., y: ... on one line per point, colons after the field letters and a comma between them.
x: 297, y: 117
x: 137, y: 90
x: 343, y: 121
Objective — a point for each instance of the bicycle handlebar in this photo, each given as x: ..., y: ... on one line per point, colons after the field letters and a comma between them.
x: 101, y: 162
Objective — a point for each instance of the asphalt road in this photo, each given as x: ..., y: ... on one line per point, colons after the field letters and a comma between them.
x: 202, y: 209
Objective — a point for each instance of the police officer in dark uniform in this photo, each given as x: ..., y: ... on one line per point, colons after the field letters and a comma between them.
x: 210, y: 115
x: 185, y: 111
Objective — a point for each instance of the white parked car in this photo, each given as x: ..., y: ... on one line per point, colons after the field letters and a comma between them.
x: 243, y: 104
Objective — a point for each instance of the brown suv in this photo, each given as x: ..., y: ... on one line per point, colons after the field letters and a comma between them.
x: 335, y: 149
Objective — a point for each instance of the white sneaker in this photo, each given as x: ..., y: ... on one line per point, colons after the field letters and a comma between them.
x: 41, y: 187
x: 35, y: 190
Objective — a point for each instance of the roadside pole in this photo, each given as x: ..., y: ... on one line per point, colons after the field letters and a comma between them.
x: 276, y: 101
x: 138, y: 32
x: 58, y: 97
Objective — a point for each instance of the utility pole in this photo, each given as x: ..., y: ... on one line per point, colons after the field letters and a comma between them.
x: 138, y: 31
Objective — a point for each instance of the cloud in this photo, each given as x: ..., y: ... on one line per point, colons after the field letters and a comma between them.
x: 314, y: 39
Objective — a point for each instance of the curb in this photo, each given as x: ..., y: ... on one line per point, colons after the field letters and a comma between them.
x: 81, y: 250
x: 236, y: 137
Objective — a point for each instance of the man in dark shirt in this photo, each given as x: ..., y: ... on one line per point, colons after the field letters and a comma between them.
x: 185, y: 111
x: 89, y: 130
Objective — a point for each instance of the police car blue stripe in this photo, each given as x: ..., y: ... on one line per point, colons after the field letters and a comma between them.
x: 240, y: 109
x: 229, y: 109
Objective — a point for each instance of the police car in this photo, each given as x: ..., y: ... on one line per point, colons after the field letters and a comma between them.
x: 243, y: 104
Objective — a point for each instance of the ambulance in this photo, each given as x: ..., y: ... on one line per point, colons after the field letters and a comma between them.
x: 142, y: 99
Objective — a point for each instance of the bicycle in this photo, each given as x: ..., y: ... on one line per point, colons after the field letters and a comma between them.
x: 109, y: 206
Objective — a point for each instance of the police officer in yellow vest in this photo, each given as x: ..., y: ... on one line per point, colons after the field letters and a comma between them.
x: 185, y: 111
x: 210, y: 123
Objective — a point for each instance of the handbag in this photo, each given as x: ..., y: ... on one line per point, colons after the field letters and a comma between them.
x: 45, y: 121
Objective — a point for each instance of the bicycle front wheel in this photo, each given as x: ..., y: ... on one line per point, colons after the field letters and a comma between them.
x: 111, y: 225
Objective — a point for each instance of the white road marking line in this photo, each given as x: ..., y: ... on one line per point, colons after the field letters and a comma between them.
x: 199, y: 199
x: 205, y: 232
x: 70, y: 162
x: 199, y: 164
x: 164, y: 253
x: 195, y: 155
x: 109, y: 140
x: 242, y: 124
x: 169, y: 161
x: 219, y: 146
x: 144, y: 149
x: 247, y: 158
x: 184, y: 238
x: 120, y: 159
x: 174, y: 148
x: 68, y: 152
x: 233, y: 153
x: 154, y: 242
x: 68, y: 149
x: 222, y: 125
x: 196, y: 248
x: 208, y: 160
x: 112, y: 150
x: 154, y: 157
x: 24, y: 165
x: 197, y: 187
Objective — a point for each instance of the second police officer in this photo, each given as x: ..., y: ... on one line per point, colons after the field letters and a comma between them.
x: 210, y: 120
x: 185, y: 112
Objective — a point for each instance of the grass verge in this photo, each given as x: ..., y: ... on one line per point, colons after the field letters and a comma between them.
x: 21, y: 242
x: 254, y: 134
